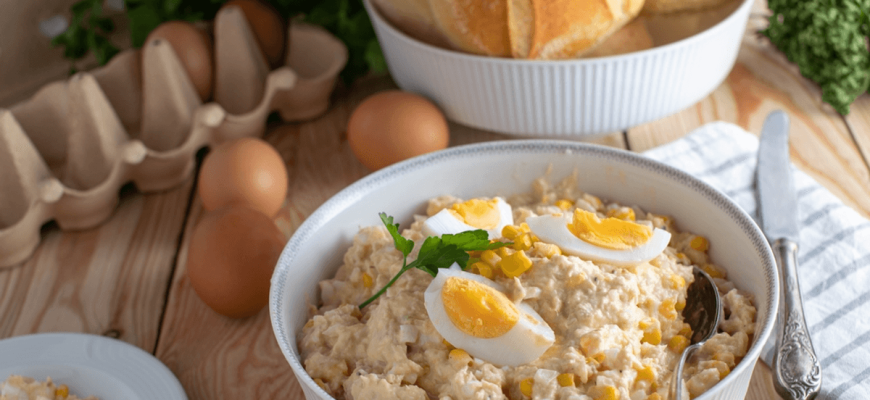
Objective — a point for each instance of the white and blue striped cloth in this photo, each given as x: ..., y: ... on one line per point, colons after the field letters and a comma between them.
x: 834, y: 255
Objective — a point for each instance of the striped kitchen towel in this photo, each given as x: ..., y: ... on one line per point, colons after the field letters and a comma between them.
x: 834, y: 254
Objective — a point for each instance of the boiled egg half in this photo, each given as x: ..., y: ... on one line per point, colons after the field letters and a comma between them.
x: 489, y: 215
x: 610, y: 240
x: 473, y: 313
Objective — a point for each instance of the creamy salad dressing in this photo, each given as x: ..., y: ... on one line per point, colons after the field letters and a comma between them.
x: 614, y: 326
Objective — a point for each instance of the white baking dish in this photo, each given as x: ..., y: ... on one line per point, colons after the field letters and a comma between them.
x: 565, y: 98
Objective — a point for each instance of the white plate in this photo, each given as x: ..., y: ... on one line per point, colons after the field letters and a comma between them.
x: 90, y: 365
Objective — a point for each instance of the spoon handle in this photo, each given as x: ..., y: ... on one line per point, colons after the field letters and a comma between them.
x: 796, y: 369
x: 676, y: 389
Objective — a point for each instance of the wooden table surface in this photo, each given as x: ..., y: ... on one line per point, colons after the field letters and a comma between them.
x: 127, y: 278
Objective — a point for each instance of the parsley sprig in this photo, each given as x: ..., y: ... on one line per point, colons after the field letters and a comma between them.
x: 828, y: 40
x: 436, y: 252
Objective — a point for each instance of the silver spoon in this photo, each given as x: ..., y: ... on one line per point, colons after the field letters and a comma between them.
x: 702, y: 314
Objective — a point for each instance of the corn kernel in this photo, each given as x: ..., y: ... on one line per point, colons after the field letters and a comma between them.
x: 510, y: 232
x: 668, y: 309
x: 598, y: 357
x: 686, y: 331
x: 681, y: 305
x: 504, y: 251
x: 653, y: 386
x: 548, y: 250
x: 482, y: 268
x: 699, y: 243
x: 623, y: 213
x: 515, y: 264
x: 644, y: 324
x: 526, y: 386
x: 62, y: 391
x: 724, y: 372
x: 713, y: 271
x: 646, y: 373
x: 446, y: 343
x: 654, y: 396
x: 678, y: 343
x: 652, y: 336
x: 576, y: 280
x: 522, y: 242
x: 459, y: 356
x: 524, y: 228
x: 565, y: 380
x: 564, y: 204
x: 608, y: 393
x: 489, y: 257
x: 320, y: 383
x: 678, y: 282
x: 367, y: 280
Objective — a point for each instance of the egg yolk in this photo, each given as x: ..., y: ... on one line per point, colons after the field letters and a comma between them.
x: 609, y: 233
x: 477, y: 309
x: 482, y: 214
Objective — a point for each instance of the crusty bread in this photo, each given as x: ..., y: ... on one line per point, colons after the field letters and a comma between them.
x: 535, y: 29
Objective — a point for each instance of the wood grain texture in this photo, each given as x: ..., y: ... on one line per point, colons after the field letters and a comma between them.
x: 110, y: 280
x: 215, y: 357
x: 763, y: 81
x: 858, y: 121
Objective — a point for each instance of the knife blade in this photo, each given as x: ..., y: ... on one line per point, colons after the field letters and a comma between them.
x: 797, y: 372
x: 778, y: 200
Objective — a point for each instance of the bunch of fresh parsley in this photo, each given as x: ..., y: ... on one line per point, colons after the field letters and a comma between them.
x: 89, y: 29
x: 436, y: 252
x: 828, y: 40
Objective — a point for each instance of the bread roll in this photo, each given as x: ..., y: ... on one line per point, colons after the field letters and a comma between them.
x: 533, y: 29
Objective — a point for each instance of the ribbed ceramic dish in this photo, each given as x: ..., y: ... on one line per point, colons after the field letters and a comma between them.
x: 566, y: 98
x: 503, y: 168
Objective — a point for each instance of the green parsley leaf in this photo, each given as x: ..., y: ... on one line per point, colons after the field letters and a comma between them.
x: 402, y: 244
x: 436, y: 252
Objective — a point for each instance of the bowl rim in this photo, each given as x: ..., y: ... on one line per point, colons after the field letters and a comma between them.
x: 379, y: 20
x: 352, y: 193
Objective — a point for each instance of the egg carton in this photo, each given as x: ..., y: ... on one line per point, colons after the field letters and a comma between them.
x: 65, y: 152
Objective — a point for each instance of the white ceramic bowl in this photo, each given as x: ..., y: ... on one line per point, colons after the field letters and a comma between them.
x: 316, y: 249
x: 565, y: 98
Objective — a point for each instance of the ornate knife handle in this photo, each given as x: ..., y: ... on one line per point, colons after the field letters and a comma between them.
x: 796, y: 369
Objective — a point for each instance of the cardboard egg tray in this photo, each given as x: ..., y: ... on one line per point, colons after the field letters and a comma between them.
x: 65, y: 152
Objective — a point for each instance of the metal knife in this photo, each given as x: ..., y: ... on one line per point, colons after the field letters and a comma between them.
x: 796, y: 369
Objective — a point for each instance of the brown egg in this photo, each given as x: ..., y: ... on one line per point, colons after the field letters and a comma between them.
x: 392, y: 126
x: 268, y: 27
x: 230, y: 260
x: 194, y: 50
x: 245, y: 171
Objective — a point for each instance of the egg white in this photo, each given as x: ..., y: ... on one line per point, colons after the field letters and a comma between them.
x: 524, y: 343
x: 554, y: 229
x: 445, y: 222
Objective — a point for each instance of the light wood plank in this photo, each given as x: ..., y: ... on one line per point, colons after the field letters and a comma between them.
x: 110, y: 280
x: 858, y: 121
x: 763, y: 81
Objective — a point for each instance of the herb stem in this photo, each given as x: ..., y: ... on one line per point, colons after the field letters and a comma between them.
x: 384, y: 289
